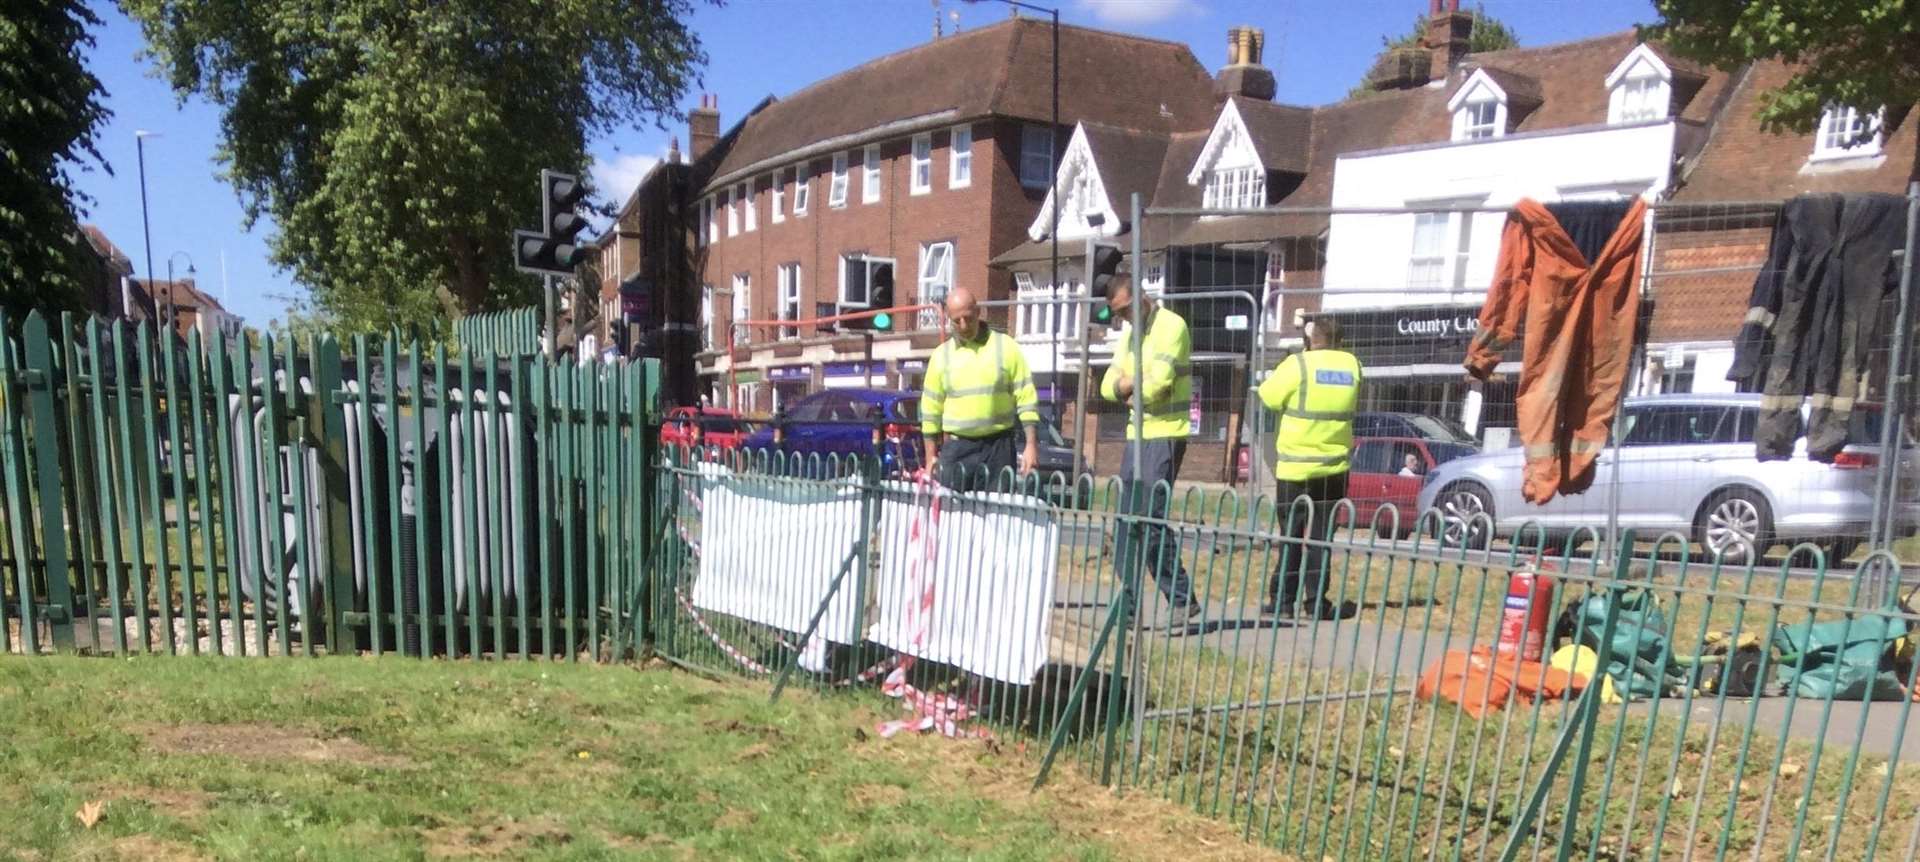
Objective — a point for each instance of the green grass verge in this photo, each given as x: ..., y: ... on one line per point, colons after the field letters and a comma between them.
x: 381, y: 759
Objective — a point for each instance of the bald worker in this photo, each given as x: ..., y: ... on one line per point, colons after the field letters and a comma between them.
x: 977, y: 400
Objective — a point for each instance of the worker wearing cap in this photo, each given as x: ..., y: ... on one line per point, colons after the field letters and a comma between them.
x: 977, y: 403
x: 1315, y: 392
x: 1166, y: 393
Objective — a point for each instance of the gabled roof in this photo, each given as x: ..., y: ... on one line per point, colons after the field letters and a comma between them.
x: 1741, y: 162
x: 1571, y: 80
x: 1128, y: 161
x: 1282, y: 133
x: 104, y: 247
x: 999, y: 70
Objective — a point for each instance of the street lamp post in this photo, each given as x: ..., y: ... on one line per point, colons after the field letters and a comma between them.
x: 140, y: 137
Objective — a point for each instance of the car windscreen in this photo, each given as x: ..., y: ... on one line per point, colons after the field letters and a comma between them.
x: 722, y: 425
x: 1435, y: 428
x: 1444, y: 452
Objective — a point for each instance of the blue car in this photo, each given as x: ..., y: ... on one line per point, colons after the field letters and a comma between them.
x: 846, y: 423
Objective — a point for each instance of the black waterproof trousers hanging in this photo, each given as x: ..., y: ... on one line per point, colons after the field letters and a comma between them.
x: 1815, y: 315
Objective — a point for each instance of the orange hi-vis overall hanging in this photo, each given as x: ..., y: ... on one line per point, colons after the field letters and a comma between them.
x: 1579, y: 318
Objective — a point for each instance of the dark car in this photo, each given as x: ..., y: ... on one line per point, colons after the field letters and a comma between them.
x: 846, y: 423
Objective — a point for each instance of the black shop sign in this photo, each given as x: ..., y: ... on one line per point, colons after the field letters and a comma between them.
x: 1410, y: 335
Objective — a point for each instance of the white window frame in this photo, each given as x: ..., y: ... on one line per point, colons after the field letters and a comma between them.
x: 777, y: 203
x: 861, y: 259
x: 791, y: 296
x: 926, y: 280
x: 733, y: 213
x: 1839, y: 123
x: 1026, y: 317
x: 742, y: 307
x: 706, y: 317
x: 1443, y: 267
x: 753, y: 212
x: 837, y: 191
x: 922, y: 174
x: 1036, y: 156
x: 1236, y: 188
x: 1468, y: 125
x: 870, y: 174
x: 1640, y: 98
x: 960, y: 157
x: 1049, y: 311
x: 802, y: 188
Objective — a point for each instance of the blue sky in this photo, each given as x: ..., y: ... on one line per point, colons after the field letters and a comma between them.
x: 1316, y: 48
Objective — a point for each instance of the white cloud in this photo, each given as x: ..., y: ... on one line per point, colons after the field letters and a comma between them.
x: 612, y: 181
x: 1137, y: 12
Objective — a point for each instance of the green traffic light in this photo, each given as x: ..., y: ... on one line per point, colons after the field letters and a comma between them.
x: 1102, y: 314
x: 883, y: 320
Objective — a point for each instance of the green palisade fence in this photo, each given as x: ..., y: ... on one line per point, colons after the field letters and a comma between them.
x: 507, y: 333
x: 264, y: 497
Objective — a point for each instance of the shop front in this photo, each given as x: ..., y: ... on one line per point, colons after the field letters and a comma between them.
x: 854, y: 375
x: 790, y: 383
x: 1412, y: 359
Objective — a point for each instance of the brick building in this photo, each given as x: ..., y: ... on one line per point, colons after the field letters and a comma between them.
x: 911, y: 171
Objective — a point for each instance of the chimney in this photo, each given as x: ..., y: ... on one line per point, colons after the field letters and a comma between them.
x: 1243, y: 74
x: 703, y: 127
x: 673, y: 150
x: 1448, y: 32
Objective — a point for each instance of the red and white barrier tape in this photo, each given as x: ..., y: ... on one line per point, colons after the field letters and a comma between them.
x: 930, y: 710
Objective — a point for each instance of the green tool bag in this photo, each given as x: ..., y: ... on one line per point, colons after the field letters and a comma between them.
x: 1842, y: 659
x: 1637, y: 656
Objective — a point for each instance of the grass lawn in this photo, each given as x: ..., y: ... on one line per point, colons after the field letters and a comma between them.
x: 343, y: 758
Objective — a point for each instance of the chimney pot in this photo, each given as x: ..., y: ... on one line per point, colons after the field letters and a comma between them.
x: 1449, y: 32
x: 703, y: 127
x: 1243, y: 74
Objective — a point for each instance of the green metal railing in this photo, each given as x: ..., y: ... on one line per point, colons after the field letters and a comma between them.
x: 258, y: 497
x: 1317, y: 735
x: 515, y: 332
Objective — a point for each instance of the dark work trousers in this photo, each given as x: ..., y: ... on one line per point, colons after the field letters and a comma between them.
x: 1160, y: 546
x: 981, y: 463
x: 1300, y: 575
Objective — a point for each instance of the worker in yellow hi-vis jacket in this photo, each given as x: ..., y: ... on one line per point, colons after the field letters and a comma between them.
x: 978, y: 397
x: 1315, y: 392
x: 1166, y: 393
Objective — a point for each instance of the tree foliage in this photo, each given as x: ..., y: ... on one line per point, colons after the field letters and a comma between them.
x: 396, y: 143
x: 1844, y: 52
x: 1488, y: 34
x: 50, y: 111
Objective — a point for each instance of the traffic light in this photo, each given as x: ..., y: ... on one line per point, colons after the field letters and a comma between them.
x: 1104, y: 263
x: 879, y: 295
x: 553, y: 249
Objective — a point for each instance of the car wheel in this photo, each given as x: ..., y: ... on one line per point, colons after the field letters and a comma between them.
x: 1460, y: 505
x: 1736, y: 526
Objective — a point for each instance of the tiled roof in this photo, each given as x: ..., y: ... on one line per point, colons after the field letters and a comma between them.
x: 1741, y: 162
x: 1004, y: 69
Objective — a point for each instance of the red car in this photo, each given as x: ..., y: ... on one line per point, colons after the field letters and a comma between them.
x: 1387, y: 470
x: 707, y: 427
x: 1390, y: 471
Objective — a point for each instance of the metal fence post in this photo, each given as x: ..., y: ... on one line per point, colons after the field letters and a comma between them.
x: 40, y: 374
x: 1880, y: 531
x: 326, y: 412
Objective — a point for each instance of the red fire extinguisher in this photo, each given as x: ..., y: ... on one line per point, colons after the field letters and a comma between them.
x: 1528, y: 613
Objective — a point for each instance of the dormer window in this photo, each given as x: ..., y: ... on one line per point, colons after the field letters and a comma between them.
x: 1236, y: 188
x: 1480, y: 109
x: 1639, y: 89
x: 1477, y: 120
x: 1847, y: 133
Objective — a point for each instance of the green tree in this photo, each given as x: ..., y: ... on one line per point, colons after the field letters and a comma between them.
x: 1488, y: 34
x: 50, y: 110
x: 396, y: 143
x: 1860, y: 53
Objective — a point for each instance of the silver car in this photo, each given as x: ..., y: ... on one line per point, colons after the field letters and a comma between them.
x: 1687, y: 464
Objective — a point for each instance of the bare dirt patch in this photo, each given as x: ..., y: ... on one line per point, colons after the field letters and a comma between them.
x: 511, y: 838
x: 735, y: 818
x: 146, y: 848
x: 263, y: 742
x: 878, y: 795
x: 175, y: 802
x: 1133, y: 827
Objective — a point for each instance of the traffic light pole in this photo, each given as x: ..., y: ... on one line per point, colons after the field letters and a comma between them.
x: 1082, y: 396
x: 553, y: 326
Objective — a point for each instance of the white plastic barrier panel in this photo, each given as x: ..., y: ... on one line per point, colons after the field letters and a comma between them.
x: 769, y: 552
x: 971, y: 587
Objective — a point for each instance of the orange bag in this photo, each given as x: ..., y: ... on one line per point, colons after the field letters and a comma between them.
x: 1481, y: 683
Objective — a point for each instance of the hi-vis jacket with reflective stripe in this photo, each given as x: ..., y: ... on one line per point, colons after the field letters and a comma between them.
x: 1167, y: 366
x: 1315, y: 392
x: 978, y: 388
